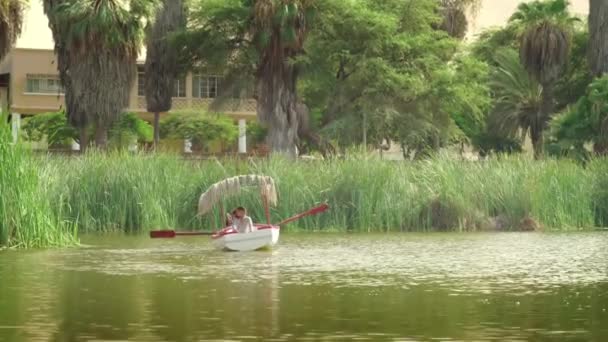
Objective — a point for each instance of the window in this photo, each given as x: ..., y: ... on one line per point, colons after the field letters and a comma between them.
x: 179, y: 88
x: 141, y: 83
x: 43, y: 84
x: 205, y: 87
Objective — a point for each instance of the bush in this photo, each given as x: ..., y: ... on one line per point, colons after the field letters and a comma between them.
x: 256, y: 133
x: 127, y: 130
x: 53, y: 126
x: 200, y: 128
x: 130, y: 129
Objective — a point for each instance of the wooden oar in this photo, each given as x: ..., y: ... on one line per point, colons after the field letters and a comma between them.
x: 314, y: 211
x: 168, y: 234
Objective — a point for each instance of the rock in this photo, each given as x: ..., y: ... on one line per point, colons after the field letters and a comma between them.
x: 528, y: 224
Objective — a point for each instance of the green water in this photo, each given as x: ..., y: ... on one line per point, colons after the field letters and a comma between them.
x: 469, y: 287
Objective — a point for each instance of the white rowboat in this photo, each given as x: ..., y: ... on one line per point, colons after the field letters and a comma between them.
x: 264, y: 237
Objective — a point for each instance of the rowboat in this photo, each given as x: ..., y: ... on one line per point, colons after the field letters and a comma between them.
x: 262, y: 237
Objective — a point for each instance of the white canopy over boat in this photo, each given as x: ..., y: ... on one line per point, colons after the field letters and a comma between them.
x: 233, y: 186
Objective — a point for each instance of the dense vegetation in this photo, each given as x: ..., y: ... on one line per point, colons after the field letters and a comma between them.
x: 328, y: 75
x: 127, y: 192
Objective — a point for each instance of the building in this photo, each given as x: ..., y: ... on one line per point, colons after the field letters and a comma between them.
x: 29, y: 81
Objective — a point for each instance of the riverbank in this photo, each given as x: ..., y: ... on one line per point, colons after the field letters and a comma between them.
x: 61, y: 196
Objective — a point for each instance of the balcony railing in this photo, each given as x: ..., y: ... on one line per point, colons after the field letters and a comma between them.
x: 241, y: 106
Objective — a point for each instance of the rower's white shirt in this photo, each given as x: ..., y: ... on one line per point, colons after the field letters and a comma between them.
x: 244, y: 225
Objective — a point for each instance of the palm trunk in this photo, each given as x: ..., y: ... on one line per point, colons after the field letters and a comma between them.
x: 536, y: 135
x: 156, y: 130
x: 540, y: 123
x: 598, y: 36
x: 600, y: 149
x: 84, y: 139
x: 277, y: 106
x: 101, y: 137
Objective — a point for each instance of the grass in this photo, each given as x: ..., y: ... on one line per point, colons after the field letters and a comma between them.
x: 135, y: 193
x: 27, y: 218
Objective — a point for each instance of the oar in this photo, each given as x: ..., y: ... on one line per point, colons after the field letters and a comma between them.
x: 314, y: 211
x: 168, y: 234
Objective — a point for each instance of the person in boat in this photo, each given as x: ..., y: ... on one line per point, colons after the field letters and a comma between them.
x: 230, y: 218
x: 242, y: 222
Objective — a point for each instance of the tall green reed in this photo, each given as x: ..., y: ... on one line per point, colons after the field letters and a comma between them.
x: 26, y: 216
x: 135, y: 192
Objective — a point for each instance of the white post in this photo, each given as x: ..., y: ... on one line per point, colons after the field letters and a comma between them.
x: 187, y: 146
x: 16, y: 125
x: 75, y: 146
x: 242, y: 136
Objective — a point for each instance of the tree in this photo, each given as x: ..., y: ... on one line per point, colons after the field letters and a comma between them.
x: 74, y: 110
x: 585, y: 122
x: 545, y: 42
x: 454, y: 12
x: 259, y: 38
x: 161, y: 61
x: 517, y: 98
x: 98, y: 40
x: 368, y: 63
x: 11, y: 20
x: 598, y: 40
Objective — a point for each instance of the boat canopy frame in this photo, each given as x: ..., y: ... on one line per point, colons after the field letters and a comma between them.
x: 233, y: 186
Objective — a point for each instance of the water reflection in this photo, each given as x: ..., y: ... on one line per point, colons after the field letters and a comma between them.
x: 394, y: 287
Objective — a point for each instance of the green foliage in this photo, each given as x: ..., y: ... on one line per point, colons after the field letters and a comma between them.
x: 52, y: 126
x: 517, y: 97
x: 384, y: 64
x: 130, y: 129
x: 109, y: 23
x: 585, y: 122
x: 128, y: 192
x: 201, y: 128
x: 256, y: 133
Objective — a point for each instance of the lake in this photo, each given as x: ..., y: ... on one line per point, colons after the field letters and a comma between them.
x: 395, y: 287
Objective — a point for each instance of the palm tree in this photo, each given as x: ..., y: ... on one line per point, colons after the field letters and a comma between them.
x: 99, y: 41
x: 75, y: 114
x: 262, y: 38
x: 518, y: 98
x: 454, y: 12
x: 280, y: 30
x: 598, y: 40
x: 11, y: 20
x: 161, y: 60
x: 545, y: 42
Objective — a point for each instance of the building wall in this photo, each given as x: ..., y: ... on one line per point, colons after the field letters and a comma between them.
x: 32, y: 62
x: 24, y: 62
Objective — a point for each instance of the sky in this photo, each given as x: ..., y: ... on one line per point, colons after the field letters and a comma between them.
x: 497, y: 12
x: 36, y: 34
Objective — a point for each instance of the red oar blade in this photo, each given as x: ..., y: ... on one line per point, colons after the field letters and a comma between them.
x: 314, y: 211
x: 162, y: 234
x: 169, y: 234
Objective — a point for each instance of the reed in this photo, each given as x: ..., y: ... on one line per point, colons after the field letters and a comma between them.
x: 133, y: 193
x: 27, y: 218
